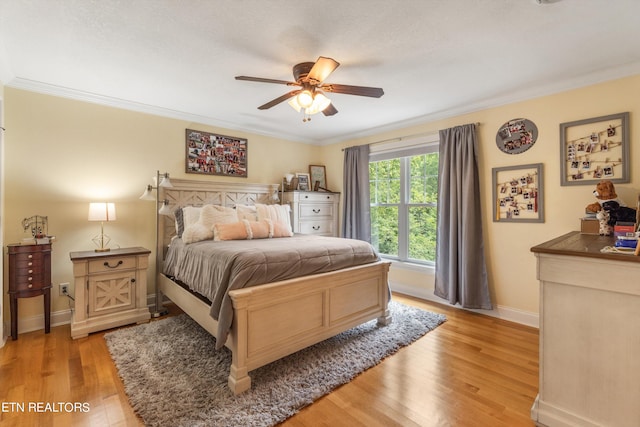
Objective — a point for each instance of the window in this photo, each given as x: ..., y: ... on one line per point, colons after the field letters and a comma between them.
x: 404, y: 191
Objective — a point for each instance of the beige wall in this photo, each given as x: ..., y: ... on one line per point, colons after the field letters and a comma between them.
x: 511, y: 265
x: 61, y: 154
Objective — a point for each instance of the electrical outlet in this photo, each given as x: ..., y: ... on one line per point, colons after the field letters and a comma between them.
x: 64, y: 289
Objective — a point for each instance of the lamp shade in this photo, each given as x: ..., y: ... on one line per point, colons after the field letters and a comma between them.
x: 148, y: 194
x: 102, y: 211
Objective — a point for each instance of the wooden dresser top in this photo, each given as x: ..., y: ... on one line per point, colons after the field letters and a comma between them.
x: 583, y: 245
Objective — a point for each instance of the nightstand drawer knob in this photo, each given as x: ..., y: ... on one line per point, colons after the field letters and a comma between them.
x: 30, y: 264
x: 106, y: 264
x: 30, y: 256
x: 316, y: 227
x: 30, y: 285
x: 30, y: 278
x: 316, y: 210
x: 30, y: 271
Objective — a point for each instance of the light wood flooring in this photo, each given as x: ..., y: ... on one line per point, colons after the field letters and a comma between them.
x: 473, y: 370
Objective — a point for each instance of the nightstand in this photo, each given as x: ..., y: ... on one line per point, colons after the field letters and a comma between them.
x: 110, y: 289
x: 313, y: 212
x: 29, y: 276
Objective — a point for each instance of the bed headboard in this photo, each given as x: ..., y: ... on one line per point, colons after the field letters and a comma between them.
x: 199, y: 193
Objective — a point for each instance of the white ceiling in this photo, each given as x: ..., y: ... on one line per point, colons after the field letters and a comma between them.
x: 433, y: 58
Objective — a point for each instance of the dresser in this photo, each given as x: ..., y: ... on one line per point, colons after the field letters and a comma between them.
x: 313, y: 212
x: 589, y: 334
x: 29, y: 276
x: 110, y: 289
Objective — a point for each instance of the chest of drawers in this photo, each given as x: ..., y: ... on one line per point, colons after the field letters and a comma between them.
x: 29, y: 276
x: 314, y: 212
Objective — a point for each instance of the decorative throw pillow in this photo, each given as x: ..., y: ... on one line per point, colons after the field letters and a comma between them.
x: 247, y: 212
x: 196, y: 233
x: 214, y: 214
x: 177, y: 214
x: 277, y: 214
x: 247, y: 230
x: 203, y: 228
x: 190, y: 215
x: 230, y: 231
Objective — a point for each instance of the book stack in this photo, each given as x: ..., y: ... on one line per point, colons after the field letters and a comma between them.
x: 625, y: 234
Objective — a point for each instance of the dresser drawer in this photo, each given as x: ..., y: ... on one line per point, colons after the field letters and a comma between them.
x: 318, y: 197
x: 324, y: 228
x: 316, y: 210
x: 110, y: 264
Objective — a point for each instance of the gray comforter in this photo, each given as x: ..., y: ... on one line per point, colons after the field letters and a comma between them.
x: 213, y: 268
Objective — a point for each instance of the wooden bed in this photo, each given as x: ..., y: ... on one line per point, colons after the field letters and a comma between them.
x: 273, y: 320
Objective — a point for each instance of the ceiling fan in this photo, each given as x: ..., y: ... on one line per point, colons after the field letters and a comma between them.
x: 310, y: 97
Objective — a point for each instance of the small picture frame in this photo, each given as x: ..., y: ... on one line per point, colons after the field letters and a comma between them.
x: 593, y: 148
x: 212, y: 154
x: 303, y: 181
x: 517, y: 194
x: 318, y: 177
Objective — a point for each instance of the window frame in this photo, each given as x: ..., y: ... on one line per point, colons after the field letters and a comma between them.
x: 404, y: 150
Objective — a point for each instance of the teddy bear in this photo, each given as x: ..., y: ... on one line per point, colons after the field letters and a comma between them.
x: 605, y: 192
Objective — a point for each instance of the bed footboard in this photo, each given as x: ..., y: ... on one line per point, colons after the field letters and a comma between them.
x: 274, y: 320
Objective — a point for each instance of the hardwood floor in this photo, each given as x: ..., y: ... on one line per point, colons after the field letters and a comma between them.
x: 473, y: 370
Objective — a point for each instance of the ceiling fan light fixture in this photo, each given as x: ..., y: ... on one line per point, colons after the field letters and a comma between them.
x: 294, y: 104
x: 305, y: 98
x: 320, y: 103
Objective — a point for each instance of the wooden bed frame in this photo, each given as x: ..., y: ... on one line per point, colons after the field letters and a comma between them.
x: 273, y: 320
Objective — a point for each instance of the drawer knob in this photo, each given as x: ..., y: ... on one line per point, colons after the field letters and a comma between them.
x: 30, y: 278
x: 30, y: 285
x: 30, y: 271
x: 316, y: 227
x: 30, y: 264
x: 106, y: 264
x: 30, y: 256
x: 316, y: 210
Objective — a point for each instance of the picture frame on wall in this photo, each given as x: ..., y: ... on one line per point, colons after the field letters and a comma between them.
x: 318, y: 177
x: 518, y: 193
x: 212, y: 154
x: 303, y: 181
x: 595, y: 149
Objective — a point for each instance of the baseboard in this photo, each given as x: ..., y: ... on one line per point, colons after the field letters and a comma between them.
x: 61, y: 317
x: 35, y: 323
x: 501, y: 312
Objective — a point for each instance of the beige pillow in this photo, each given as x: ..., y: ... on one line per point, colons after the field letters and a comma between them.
x: 247, y: 212
x: 209, y: 215
x: 277, y: 214
x: 247, y: 230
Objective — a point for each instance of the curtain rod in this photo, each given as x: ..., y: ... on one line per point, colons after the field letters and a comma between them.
x: 400, y: 138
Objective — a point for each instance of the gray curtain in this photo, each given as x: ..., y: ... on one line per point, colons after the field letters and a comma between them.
x: 461, y: 273
x: 356, y: 219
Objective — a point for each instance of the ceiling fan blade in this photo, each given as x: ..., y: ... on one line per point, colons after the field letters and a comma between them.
x: 374, y: 92
x: 262, y: 80
x: 278, y: 100
x: 322, y: 68
x: 330, y: 110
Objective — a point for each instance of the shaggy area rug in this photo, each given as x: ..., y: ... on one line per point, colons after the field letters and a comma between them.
x: 173, y: 376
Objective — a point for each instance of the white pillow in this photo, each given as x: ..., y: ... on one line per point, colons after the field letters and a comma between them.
x: 203, y: 228
x: 247, y: 212
x: 190, y: 215
x: 276, y: 213
x: 213, y: 214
